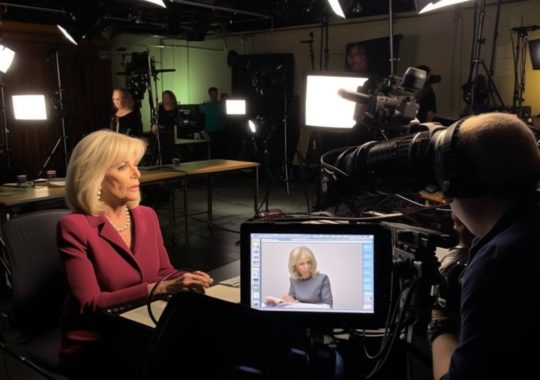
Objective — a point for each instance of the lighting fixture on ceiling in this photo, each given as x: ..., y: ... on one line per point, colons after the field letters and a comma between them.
x: 424, y: 6
x: 161, y: 3
x: 73, y: 33
x: 336, y: 8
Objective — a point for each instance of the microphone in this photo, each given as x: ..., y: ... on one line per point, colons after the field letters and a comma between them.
x: 522, y: 29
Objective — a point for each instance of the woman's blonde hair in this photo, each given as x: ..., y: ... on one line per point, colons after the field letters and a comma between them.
x: 89, y: 162
x: 298, y: 254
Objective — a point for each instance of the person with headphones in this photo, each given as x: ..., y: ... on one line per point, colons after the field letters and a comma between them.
x: 488, y: 168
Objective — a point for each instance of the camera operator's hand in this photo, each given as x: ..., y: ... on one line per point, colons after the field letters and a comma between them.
x: 448, y: 291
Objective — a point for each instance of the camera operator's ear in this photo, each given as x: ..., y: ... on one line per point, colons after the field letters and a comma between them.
x: 446, y: 161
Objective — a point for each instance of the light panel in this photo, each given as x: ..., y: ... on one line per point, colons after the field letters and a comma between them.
x: 29, y: 107
x: 324, y: 107
x: 235, y: 107
x: 6, y: 58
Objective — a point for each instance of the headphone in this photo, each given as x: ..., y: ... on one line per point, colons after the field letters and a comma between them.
x: 455, y: 175
x: 446, y: 167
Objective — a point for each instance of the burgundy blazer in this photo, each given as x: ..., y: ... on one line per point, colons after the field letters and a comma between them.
x: 102, y: 271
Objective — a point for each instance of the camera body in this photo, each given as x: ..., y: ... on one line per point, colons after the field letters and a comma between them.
x: 387, y: 106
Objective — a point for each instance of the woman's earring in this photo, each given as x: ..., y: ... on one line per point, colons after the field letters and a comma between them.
x: 99, y: 194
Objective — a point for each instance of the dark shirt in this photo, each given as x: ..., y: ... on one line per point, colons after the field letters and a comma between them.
x: 168, y: 119
x: 129, y: 124
x: 500, y: 312
x: 427, y: 101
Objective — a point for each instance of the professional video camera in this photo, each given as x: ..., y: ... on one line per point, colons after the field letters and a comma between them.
x: 386, y: 107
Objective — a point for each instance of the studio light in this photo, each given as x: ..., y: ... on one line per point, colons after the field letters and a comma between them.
x: 252, y: 125
x: 324, y: 107
x: 157, y: 2
x: 235, y: 107
x: 6, y: 58
x: 29, y: 107
x: 336, y: 8
x: 72, y: 33
x: 425, y: 6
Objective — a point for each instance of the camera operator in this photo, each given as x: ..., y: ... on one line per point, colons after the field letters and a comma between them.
x: 426, y: 96
x: 498, y: 165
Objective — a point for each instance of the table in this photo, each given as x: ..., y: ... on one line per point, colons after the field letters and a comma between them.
x: 227, y: 293
x: 12, y: 197
x: 209, y: 167
x: 194, y: 142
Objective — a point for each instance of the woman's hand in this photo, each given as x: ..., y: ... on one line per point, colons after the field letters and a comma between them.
x: 290, y: 299
x: 189, y: 281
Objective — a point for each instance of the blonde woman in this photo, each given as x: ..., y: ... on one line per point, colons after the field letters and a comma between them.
x: 307, y: 285
x: 111, y: 248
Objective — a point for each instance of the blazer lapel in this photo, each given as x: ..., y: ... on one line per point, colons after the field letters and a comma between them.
x: 107, y: 232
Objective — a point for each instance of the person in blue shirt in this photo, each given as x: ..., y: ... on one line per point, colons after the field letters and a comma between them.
x: 495, y: 334
x: 214, y: 123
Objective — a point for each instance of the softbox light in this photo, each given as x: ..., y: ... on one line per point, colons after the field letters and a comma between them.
x: 324, y: 107
x: 29, y: 107
x: 424, y: 6
x: 235, y: 107
x: 6, y: 58
x: 534, y: 50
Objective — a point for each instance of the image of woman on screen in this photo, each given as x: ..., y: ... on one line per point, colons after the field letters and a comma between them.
x: 307, y: 285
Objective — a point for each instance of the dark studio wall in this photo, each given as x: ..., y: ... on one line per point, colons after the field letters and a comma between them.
x: 86, y: 82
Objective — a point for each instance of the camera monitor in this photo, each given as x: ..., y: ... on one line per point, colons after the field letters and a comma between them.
x: 534, y: 50
x: 353, y: 262
x: 324, y: 107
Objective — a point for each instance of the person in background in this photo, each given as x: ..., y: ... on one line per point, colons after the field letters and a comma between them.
x: 214, y: 124
x: 126, y: 117
x: 168, y: 119
x: 111, y: 248
x: 426, y: 98
x: 495, y: 197
x: 306, y: 283
x: 356, y: 59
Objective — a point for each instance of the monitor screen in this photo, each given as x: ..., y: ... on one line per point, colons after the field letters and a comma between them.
x: 317, y: 275
x: 324, y: 107
x: 534, y: 50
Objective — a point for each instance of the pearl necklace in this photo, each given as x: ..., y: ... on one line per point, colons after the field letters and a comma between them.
x: 125, y: 226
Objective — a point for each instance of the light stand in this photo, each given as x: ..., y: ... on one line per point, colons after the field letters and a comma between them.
x: 520, y: 56
x: 63, y: 138
x: 152, y: 74
x: 470, y: 88
x: 9, y: 170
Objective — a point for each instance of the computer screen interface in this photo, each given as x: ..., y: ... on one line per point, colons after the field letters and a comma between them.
x: 323, y: 274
